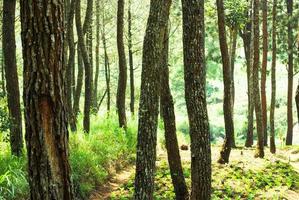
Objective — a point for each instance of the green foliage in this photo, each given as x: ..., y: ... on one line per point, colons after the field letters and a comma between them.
x: 4, y: 116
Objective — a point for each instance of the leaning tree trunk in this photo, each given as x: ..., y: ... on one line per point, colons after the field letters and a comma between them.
x: 70, y: 65
x: 44, y: 95
x: 171, y: 141
x: 289, y: 137
x: 264, y: 71
x: 273, y: 80
x: 11, y: 76
x: 122, y: 77
x: 131, y: 64
x: 227, y: 103
x: 195, y: 83
x: 87, y: 66
x: 256, y: 91
x: 149, y: 99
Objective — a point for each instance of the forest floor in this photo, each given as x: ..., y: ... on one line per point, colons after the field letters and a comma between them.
x: 245, y: 177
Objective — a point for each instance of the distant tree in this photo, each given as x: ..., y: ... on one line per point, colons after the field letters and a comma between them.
x: 11, y: 76
x: 195, y: 84
x: 227, y: 103
x: 264, y: 70
x: 122, y: 77
x: 256, y: 90
x: 273, y: 80
x: 131, y: 63
x: 44, y: 100
x: 149, y: 99
x: 171, y: 141
x: 289, y: 136
x: 79, y: 85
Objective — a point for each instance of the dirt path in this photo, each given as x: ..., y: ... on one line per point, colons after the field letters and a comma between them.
x: 120, y: 178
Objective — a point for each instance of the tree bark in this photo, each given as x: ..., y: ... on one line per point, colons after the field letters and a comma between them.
x: 122, y: 77
x: 131, y: 64
x: 87, y: 66
x: 195, y: 83
x: 44, y: 97
x: 264, y: 71
x: 256, y: 91
x: 70, y: 65
x: 289, y: 136
x: 227, y: 103
x: 11, y: 76
x: 3, y: 75
x: 172, y: 147
x: 273, y: 80
x: 79, y: 86
x: 149, y: 99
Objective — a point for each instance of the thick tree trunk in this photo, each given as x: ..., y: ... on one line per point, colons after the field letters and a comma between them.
x: 227, y: 103
x: 122, y: 77
x: 264, y: 71
x: 273, y: 80
x: 256, y: 91
x: 131, y: 64
x: 172, y: 147
x: 79, y: 86
x: 195, y: 83
x: 289, y: 137
x: 149, y: 99
x: 44, y: 95
x: 87, y: 66
x: 11, y: 76
x: 70, y: 65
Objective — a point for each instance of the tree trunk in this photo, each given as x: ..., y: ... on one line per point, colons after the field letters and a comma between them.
x: 89, y: 47
x: 172, y: 147
x: 96, y: 78
x: 289, y: 137
x: 227, y: 103
x: 2, y: 75
x: 256, y: 91
x: 195, y: 83
x: 79, y: 86
x: 122, y: 77
x: 87, y: 66
x: 149, y: 99
x: 131, y: 64
x: 44, y: 95
x: 70, y: 65
x: 264, y: 71
x: 273, y: 80
x: 11, y: 76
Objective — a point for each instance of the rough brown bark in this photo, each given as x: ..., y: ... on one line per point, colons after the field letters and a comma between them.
x: 256, y: 90
x: 171, y: 141
x: 131, y: 64
x: 227, y: 103
x: 122, y: 77
x: 87, y: 67
x: 70, y: 65
x: 11, y: 76
x: 149, y: 99
x: 195, y: 83
x: 264, y: 71
x: 273, y: 80
x: 289, y: 136
x: 44, y: 95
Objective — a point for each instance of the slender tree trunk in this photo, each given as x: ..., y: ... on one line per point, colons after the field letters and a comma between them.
x: 264, y: 71
x: 289, y: 137
x: 71, y: 64
x: 227, y: 103
x: 89, y: 47
x: 2, y: 75
x: 122, y: 77
x: 149, y: 99
x: 96, y: 78
x: 172, y: 147
x: 11, y: 76
x: 256, y: 91
x: 131, y: 64
x: 273, y: 80
x: 107, y: 68
x: 195, y: 83
x: 77, y: 96
x: 85, y: 57
x: 44, y: 95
